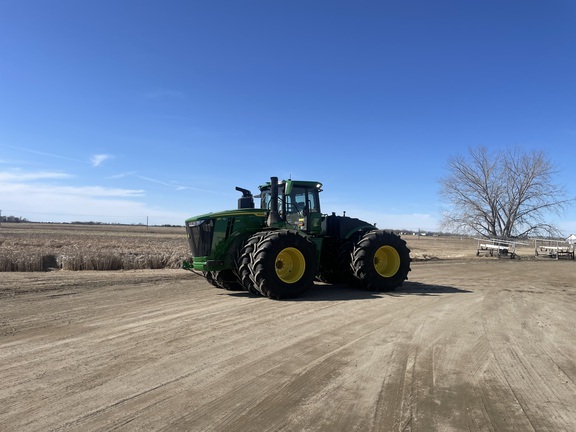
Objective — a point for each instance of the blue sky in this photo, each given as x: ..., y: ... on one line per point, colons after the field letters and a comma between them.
x: 119, y: 111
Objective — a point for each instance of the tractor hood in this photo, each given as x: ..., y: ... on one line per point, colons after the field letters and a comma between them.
x: 228, y: 213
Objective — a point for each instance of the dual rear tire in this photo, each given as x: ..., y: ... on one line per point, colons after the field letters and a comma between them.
x: 277, y: 264
x: 380, y: 261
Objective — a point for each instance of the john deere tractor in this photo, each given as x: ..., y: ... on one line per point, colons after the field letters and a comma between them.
x: 278, y: 249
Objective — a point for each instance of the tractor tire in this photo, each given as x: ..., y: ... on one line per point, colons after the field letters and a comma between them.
x: 227, y: 279
x: 380, y: 261
x: 243, y: 263
x: 339, y: 269
x: 211, y: 279
x: 328, y: 262
x: 283, y: 264
x: 344, y: 259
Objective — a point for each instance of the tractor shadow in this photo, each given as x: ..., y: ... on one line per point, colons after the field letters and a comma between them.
x: 340, y: 292
x: 323, y: 292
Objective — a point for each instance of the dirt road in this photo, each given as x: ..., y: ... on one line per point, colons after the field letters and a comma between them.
x: 464, y: 345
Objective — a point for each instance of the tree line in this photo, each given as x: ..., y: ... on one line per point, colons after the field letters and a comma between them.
x: 13, y: 219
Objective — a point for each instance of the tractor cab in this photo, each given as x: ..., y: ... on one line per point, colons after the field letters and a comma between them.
x: 297, y: 203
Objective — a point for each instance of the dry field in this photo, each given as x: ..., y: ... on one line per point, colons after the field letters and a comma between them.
x: 467, y: 344
x: 41, y: 247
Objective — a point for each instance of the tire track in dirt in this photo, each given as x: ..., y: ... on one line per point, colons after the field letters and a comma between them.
x: 527, y: 365
x: 265, y: 367
x: 419, y: 394
x: 330, y: 372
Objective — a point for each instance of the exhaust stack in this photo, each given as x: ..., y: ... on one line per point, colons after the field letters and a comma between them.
x: 273, y: 216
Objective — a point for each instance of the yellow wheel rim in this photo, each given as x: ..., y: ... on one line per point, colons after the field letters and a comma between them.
x: 386, y: 261
x: 290, y: 265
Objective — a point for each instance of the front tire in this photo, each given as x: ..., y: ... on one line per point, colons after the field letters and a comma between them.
x: 211, y: 279
x: 244, y: 261
x: 380, y: 261
x: 227, y: 279
x: 283, y: 264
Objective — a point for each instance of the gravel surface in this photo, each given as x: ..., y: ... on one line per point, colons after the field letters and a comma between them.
x: 470, y: 344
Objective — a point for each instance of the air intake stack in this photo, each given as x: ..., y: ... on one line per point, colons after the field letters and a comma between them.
x: 246, y: 200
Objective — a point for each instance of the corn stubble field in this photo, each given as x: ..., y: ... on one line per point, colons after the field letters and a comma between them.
x: 30, y: 247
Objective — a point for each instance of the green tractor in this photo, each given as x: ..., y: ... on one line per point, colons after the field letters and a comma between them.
x: 280, y: 248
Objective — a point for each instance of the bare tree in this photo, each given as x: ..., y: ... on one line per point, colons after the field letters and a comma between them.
x: 504, y: 194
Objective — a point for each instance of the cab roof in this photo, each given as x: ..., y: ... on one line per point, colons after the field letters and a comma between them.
x: 291, y: 183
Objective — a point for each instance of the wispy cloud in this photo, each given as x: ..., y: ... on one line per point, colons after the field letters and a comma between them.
x: 160, y: 182
x: 19, y: 176
x: 53, y: 155
x: 78, y: 203
x: 70, y: 191
x: 122, y: 175
x: 99, y: 158
x: 15, y: 182
x: 172, y: 185
x: 40, y: 193
x: 99, y: 191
